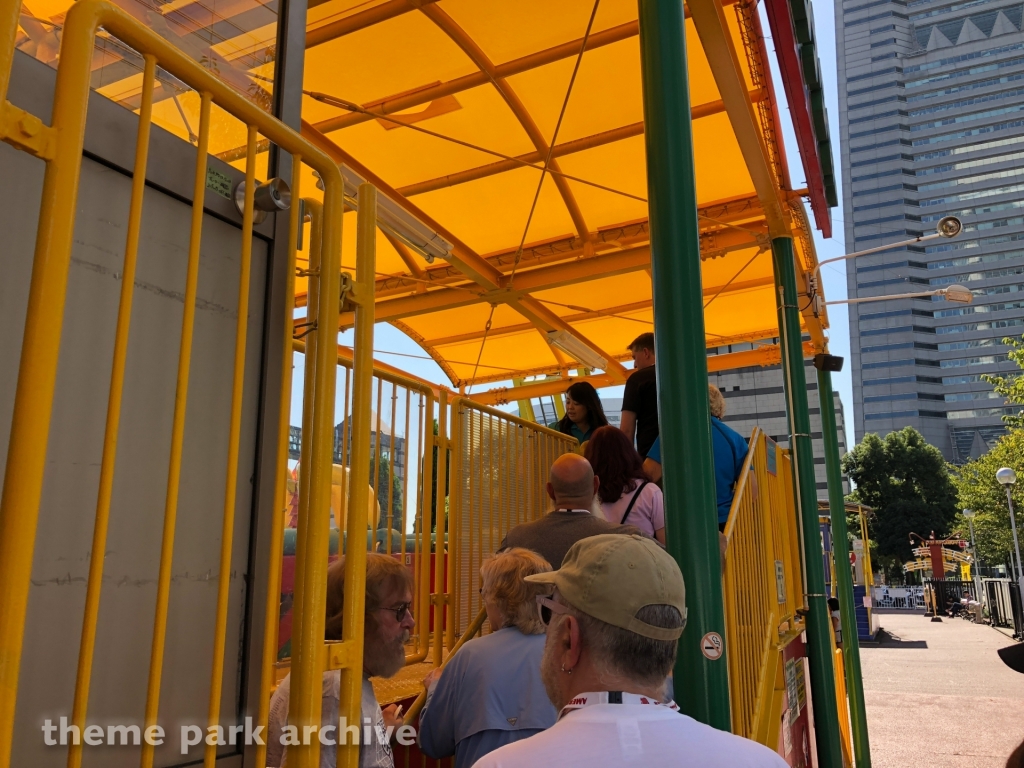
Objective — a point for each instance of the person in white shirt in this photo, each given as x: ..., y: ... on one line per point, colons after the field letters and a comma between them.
x: 388, y: 623
x: 613, y: 624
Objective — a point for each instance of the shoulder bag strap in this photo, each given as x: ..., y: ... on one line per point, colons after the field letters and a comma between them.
x: 636, y: 495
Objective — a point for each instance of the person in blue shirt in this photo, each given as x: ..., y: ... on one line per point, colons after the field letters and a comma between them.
x: 730, y: 451
x: 583, y: 412
x: 490, y: 693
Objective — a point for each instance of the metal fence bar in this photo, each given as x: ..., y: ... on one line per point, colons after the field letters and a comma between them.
x: 441, y: 590
x: 227, y: 538
x: 362, y: 296
x: 272, y: 610
x: 163, y: 592
x: 124, y: 311
x: 311, y: 543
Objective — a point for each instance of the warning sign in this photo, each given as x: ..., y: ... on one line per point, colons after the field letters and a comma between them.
x: 711, y: 646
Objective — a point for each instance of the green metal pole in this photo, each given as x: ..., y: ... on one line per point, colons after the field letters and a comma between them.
x: 844, y: 582
x: 701, y: 676
x: 819, y: 639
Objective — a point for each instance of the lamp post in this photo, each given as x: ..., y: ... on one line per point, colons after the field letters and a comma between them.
x: 948, y: 226
x: 975, y: 575
x: 1008, y: 478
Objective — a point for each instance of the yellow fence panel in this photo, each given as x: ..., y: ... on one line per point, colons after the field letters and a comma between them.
x: 500, y: 466
x: 763, y: 585
x: 60, y: 145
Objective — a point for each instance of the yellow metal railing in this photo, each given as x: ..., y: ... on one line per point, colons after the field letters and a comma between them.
x: 763, y: 587
x: 60, y: 145
x: 500, y: 466
x: 403, y: 441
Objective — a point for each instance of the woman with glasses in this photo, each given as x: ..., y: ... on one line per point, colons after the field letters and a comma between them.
x: 490, y: 693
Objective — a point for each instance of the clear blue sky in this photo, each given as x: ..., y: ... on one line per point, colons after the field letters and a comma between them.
x: 410, y: 356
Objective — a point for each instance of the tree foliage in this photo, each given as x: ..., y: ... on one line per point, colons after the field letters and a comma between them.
x: 381, y: 480
x: 907, y: 483
x: 1011, y: 387
x: 978, y: 490
x: 976, y: 480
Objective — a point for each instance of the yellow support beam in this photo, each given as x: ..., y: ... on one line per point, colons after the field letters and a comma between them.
x: 713, y: 30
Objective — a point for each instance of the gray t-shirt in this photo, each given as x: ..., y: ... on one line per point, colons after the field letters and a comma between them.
x: 376, y: 754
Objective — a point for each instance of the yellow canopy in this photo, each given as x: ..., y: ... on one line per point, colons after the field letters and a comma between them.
x: 497, y: 75
x: 483, y: 95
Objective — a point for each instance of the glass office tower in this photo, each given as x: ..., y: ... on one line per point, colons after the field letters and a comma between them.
x: 931, y: 103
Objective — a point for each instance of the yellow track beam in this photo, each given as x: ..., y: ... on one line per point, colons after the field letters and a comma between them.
x: 709, y: 19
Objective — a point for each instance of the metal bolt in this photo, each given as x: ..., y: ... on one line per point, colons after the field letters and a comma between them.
x: 30, y: 125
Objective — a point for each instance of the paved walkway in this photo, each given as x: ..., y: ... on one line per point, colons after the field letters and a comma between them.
x: 938, y: 696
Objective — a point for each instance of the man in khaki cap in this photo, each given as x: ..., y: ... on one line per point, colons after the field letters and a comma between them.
x: 613, y: 622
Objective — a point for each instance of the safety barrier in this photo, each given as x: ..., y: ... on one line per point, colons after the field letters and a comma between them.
x: 763, y: 587
x: 402, y: 440
x: 61, y: 145
x: 500, y: 466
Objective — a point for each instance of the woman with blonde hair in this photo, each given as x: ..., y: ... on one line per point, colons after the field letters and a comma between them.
x: 490, y: 693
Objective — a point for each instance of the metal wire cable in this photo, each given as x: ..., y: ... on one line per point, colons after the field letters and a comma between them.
x: 351, y: 106
x: 551, y: 145
x: 483, y: 341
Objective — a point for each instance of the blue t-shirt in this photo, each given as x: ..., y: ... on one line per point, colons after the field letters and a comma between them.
x: 655, y: 453
x: 730, y: 451
x: 575, y: 431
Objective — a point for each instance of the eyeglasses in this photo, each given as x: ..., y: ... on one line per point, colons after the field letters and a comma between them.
x: 400, y: 611
x: 546, y: 606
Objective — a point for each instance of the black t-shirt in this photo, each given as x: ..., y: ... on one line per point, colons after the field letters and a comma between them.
x: 641, y: 397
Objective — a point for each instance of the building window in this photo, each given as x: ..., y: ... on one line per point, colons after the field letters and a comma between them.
x: 876, y: 131
x: 892, y: 415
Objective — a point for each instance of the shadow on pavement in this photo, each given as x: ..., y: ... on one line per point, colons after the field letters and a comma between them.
x: 887, y: 640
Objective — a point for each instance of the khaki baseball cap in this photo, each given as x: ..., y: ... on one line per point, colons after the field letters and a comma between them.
x: 612, y: 576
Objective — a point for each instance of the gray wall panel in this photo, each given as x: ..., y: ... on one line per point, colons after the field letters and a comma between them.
x: 66, y: 519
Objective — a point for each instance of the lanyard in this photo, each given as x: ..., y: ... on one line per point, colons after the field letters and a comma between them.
x: 613, y: 697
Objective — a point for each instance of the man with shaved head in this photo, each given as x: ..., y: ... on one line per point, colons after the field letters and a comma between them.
x: 572, y: 487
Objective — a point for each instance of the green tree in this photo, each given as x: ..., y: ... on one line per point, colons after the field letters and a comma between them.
x: 1011, y: 387
x: 976, y: 480
x: 907, y: 482
x: 382, y: 480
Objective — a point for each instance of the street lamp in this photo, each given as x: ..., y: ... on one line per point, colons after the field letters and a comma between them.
x: 1008, y: 478
x: 948, y: 226
x: 958, y: 294
x: 970, y: 515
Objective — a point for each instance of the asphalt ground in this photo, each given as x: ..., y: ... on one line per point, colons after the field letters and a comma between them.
x: 938, y: 696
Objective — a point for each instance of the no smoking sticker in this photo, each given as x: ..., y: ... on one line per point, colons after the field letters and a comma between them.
x: 711, y: 646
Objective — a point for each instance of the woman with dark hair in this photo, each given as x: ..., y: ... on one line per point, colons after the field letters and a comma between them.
x: 625, y: 491
x: 583, y: 412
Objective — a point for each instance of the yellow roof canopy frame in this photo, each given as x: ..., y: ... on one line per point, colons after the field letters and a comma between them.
x: 513, y: 132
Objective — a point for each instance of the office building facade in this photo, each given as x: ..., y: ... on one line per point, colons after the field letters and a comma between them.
x: 931, y: 114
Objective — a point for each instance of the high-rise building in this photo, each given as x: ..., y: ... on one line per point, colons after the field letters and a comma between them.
x: 931, y: 115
